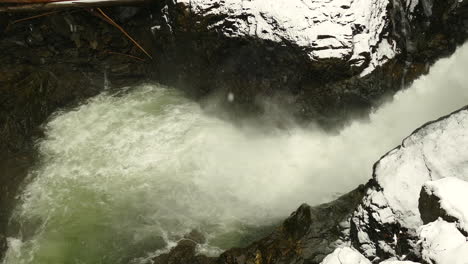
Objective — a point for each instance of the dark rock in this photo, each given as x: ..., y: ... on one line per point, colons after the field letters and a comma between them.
x: 376, y: 237
x: 184, y: 252
x: 3, y: 246
x: 196, y: 236
x: 429, y: 203
x: 307, y: 236
x: 429, y: 208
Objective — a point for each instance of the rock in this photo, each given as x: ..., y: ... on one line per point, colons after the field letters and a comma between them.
x: 307, y: 236
x: 398, y: 262
x: 385, y: 224
x: 442, y: 243
x: 3, y: 246
x: 185, y: 251
x: 445, y: 198
x: 345, y: 255
x: 196, y: 236
x: 331, y: 56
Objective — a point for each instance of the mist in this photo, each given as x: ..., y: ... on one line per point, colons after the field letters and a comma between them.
x: 151, y: 163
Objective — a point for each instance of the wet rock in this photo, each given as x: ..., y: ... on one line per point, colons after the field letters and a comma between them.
x: 307, y: 236
x: 185, y: 251
x: 3, y: 246
x: 196, y: 236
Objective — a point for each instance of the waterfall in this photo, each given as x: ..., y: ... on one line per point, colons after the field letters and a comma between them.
x: 124, y: 176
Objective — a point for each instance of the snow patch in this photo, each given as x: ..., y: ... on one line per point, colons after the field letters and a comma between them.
x: 453, y: 195
x: 345, y: 255
x: 442, y: 243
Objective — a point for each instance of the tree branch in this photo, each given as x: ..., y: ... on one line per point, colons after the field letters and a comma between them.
x: 68, y: 4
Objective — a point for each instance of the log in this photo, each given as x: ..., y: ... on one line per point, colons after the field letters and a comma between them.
x: 28, y: 1
x: 34, y: 6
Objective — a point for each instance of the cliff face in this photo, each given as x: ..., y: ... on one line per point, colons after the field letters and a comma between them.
x: 332, y: 56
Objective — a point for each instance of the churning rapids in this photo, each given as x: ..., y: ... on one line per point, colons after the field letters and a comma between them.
x: 123, y: 177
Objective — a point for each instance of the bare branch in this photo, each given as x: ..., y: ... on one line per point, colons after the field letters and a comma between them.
x: 64, y: 4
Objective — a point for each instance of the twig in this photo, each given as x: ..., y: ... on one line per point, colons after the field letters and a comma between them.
x: 69, y: 4
x: 112, y: 22
x: 33, y: 17
x: 126, y: 55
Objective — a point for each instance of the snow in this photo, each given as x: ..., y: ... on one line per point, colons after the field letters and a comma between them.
x: 442, y: 243
x: 437, y: 150
x: 345, y: 255
x: 453, y: 195
x: 348, y: 30
x: 398, y: 262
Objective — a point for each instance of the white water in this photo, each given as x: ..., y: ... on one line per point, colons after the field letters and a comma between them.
x: 120, y: 176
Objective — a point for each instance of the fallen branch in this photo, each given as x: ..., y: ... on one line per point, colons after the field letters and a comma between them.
x: 34, y: 17
x: 112, y: 22
x: 125, y: 55
x: 68, y: 4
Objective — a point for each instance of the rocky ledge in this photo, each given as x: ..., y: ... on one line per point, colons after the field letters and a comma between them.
x: 330, y: 57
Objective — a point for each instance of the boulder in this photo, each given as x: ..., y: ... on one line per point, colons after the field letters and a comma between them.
x: 443, y: 243
x: 398, y: 262
x: 385, y: 223
x: 307, y: 236
x: 345, y: 255
x: 447, y: 199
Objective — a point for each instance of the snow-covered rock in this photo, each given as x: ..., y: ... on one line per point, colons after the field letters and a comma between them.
x: 333, y: 57
x: 385, y: 224
x: 442, y: 243
x: 398, y: 262
x: 345, y: 255
x: 446, y: 198
x: 349, y: 31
